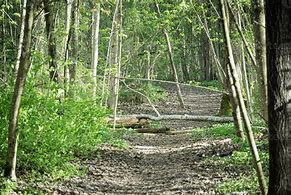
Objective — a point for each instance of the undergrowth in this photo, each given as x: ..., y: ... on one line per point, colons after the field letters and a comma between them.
x: 240, y: 160
x: 212, y: 84
x: 54, y: 133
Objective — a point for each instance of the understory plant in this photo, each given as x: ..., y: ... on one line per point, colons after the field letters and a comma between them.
x: 54, y: 130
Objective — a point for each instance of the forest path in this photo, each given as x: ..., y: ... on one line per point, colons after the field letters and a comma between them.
x: 153, y: 164
x: 158, y: 163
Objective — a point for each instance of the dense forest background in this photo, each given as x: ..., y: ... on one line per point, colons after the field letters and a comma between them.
x: 67, y: 66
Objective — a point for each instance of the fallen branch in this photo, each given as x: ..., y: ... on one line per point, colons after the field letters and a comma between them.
x: 180, y: 117
x: 180, y: 132
x: 128, y: 122
x: 148, y: 99
x: 153, y: 130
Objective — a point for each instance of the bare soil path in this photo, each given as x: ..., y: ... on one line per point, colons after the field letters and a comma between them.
x: 157, y: 163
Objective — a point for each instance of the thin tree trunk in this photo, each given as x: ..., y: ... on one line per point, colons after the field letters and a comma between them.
x: 50, y: 31
x: 24, y: 63
x: 278, y: 17
x: 106, y: 83
x: 173, y: 66
x: 245, y: 116
x: 247, y: 46
x: 66, y: 45
x: 184, y: 61
x: 95, y: 46
x: 117, y: 74
x: 113, y: 56
x: 20, y: 37
x: 3, y: 74
x: 260, y: 46
x: 75, y: 40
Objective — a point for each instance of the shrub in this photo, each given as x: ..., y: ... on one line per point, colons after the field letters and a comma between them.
x: 53, y: 132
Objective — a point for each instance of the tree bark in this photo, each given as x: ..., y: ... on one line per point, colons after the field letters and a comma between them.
x: 51, y: 36
x: 95, y: 46
x: 261, y: 61
x: 236, y: 85
x: 21, y: 36
x: 113, y: 53
x: 278, y: 17
x: 74, y: 40
x: 24, y: 63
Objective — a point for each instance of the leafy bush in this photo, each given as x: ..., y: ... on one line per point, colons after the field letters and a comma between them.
x: 53, y: 132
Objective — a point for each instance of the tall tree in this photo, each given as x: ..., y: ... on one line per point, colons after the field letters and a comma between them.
x: 234, y: 82
x: 74, y: 40
x: 278, y: 17
x: 20, y: 37
x: 114, y: 55
x: 66, y: 45
x: 24, y: 64
x: 51, y: 36
x: 260, y: 46
x: 95, y: 44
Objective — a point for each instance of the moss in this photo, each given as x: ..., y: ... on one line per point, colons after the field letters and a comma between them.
x: 225, y: 106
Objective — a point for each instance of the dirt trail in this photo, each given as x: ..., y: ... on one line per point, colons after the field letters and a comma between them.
x: 153, y: 164
x: 157, y: 164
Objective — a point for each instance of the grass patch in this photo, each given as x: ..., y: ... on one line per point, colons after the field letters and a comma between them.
x: 215, y: 131
x: 213, y: 84
x: 245, y: 183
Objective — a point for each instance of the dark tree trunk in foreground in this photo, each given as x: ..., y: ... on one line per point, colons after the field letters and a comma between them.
x: 278, y: 17
x: 18, y: 91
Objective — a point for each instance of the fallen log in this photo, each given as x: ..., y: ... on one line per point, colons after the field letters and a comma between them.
x: 153, y: 130
x: 128, y: 122
x: 180, y: 117
x: 180, y: 132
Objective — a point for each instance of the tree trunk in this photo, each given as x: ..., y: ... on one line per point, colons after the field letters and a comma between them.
x: 113, y: 60
x: 173, y: 66
x: 51, y: 36
x: 20, y: 37
x: 75, y: 40
x: 95, y: 46
x: 261, y: 61
x: 66, y: 46
x: 24, y: 64
x: 184, y: 61
x: 236, y: 85
x: 206, y: 52
x: 278, y: 17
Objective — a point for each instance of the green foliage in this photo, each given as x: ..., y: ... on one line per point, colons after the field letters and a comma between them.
x: 245, y: 183
x: 241, y: 159
x: 7, y: 186
x: 54, y: 132
x: 213, y: 84
x: 215, y: 131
